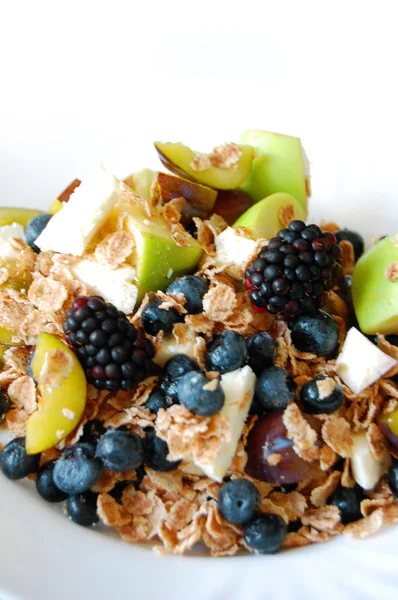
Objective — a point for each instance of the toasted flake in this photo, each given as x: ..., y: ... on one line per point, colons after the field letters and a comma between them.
x: 200, y: 162
x: 218, y: 535
x: 391, y: 273
x: 272, y: 508
x: 327, y: 457
x: 200, y: 323
x: 22, y: 394
x: 336, y: 432
x: 3, y: 275
x: 323, y: 518
x: 325, y: 387
x: 57, y: 365
x: 17, y: 358
x: 16, y: 421
x: 366, y: 526
x: 303, y: 436
x: 219, y: 302
x: 226, y: 155
x: 110, y: 512
x: 391, y: 513
x: 294, y: 503
x: 114, y: 249
x: 377, y: 442
x: 347, y: 480
x: 295, y: 540
x: 369, y: 505
x: 320, y: 494
x: 348, y: 259
x: 47, y: 294
x: 14, y: 308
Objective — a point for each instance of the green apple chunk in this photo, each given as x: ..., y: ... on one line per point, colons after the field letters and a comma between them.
x: 7, y: 338
x: 63, y: 389
x: 9, y: 215
x: 281, y: 165
x: 265, y: 218
x: 375, y: 288
x: 207, y: 169
x: 141, y: 182
x: 156, y: 257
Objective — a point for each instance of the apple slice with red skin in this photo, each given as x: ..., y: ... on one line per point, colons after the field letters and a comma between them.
x: 200, y: 198
x: 232, y: 204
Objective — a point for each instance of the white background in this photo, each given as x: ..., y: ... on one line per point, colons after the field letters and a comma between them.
x: 83, y: 83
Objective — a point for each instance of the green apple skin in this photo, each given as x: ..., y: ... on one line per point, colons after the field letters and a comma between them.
x: 9, y: 215
x: 375, y: 298
x: 262, y: 219
x: 280, y: 165
x: 177, y: 158
x: 141, y: 182
x: 157, y: 258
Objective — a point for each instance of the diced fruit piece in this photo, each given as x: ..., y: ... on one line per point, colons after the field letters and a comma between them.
x: 231, y: 204
x: 141, y: 182
x: 375, y: 288
x: 234, y: 250
x: 199, y: 394
x: 117, y: 286
x: 316, y: 333
x: 265, y: 533
x: 388, y: 423
x: 275, y: 388
x: 114, y: 354
x: 348, y: 501
x: 7, y: 232
x: 8, y: 337
x: 55, y: 207
x: 268, y: 216
x: 322, y: 395
x: 62, y: 386
x: 71, y: 230
x: 120, y: 450
x: 155, y: 319
x: 355, y: 238
x: 34, y: 228
x: 67, y: 193
x: 238, y: 387
x: 45, y: 484
x: 171, y: 346
x: 193, y: 288
x: 82, y: 509
x: 78, y: 469
x: 156, y: 257
x: 15, y: 461
x: 293, y: 270
x: 176, y: 367
x: 155, y: 453
x: 200, y: 199
x: 281, y: 165
x: 207, y: 169
x: 238, y: 501
x: 269, y: 437
x: 22, y: 216
x: 361, y: 363
x: 366, y: 470
x: 226, y: 352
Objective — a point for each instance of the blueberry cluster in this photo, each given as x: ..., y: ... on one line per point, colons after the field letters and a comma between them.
x: 81, y: 466
x: 114, y: 354
x: 293, y: 270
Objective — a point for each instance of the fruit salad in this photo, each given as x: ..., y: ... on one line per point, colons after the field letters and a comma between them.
x: 187, y: 359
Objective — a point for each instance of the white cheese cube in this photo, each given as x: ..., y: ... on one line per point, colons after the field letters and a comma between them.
x: 235, y: 250
x: 361, y: 363
x: 366, y: 470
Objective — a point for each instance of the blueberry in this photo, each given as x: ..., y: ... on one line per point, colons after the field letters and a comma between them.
x: 261, y: 350
x: 4, y: 404
x: 392, y: 477
x: 239, y: 501
x: 78, y: 469
x: 155, y: 319
x: 200, y: 395
x: 155, y: 453
x: 82, y: 509
x: 15, y: 463
x: 348, y: 501
x: 34, y: 229
x: 265, y: 533
x: 156, y: 401
x: 355, y: 239
x: 45, y: 484
x: 175, y: 368
x: 193, y: 288
x: 226, y: 352
x: 92, y: 432
x: 321, y: 395
x: 316, y: 333
x: 275, y: 388
x: 120, y: 450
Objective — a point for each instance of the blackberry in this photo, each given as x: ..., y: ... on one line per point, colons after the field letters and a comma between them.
x: 114, y: 354
x: 292, y: 272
